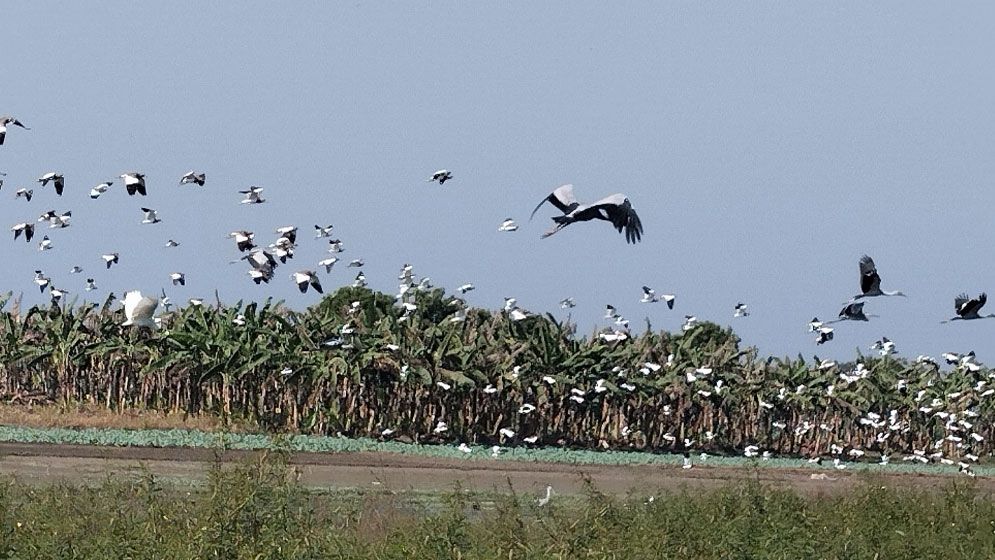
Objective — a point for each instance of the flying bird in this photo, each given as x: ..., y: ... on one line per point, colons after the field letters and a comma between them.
x: 322, y: 231
x: 134, y: 183
x: 508, y: 225
x: 178, y: 278
x: 56, y: 220
x: 109, y: 259
x: 870, y: 281
x: 649, y: 296
x: 287, y: 232
x: 967, y: 308
x: 441, y: 176
x: 76, y: 270
x: 151, y: 216
x: 42, y: 281
x: 170, y: 244
x: 100, y: 189
x: 56, y: 179
x: 139, y: 310
x: 24, y: 193
x: 193, y: 177
x: 243, y: 240
x: 90, y: 285
x: 305, y: 278
x: 824, y: 336
x: 27, y: 229
x: 252, y: 196
x: 356, y: 263
x: 852, y: 312
x: 567, y: 303
x: 45, y: 244
x: 6, y: 120
x: 740, y: 310
x: 328, y: 263
x: 615, y: 209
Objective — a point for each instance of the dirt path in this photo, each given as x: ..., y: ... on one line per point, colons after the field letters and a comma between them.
x: 42, y: 463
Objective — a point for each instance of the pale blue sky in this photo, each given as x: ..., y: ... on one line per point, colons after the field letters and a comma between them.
x: 765, y: 148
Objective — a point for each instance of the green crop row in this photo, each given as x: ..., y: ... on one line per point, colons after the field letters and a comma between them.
x: 359, y: 366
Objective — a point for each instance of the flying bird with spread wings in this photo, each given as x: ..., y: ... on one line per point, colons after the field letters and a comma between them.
x: 615, y: 209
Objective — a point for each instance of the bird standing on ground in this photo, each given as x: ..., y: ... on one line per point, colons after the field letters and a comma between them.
x: 615, y: 208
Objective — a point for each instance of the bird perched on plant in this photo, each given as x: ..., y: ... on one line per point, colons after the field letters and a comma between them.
x: 615, y: 208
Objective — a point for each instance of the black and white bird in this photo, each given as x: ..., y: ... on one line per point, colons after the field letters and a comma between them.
x: 967, y: 308
x: 615, y: 209
x: 56, y: 179
x: 134, y: 183
x: 356, y: 263
x: 170, y: 244
x: 110, y: 259
x: 305, y: 278
x: 42, y: 281
x: 151, y: 216
x: 243, y: 239
x: 287, y: 232
x: 567, y: 303
x: 252, y: 195
x: 178, y: 278
x: 26, y: 228
x: 740, y: 310
x: 441, y: 176
x: 322, y: 231
x: 193, y: 177
x: 328, y: 263
x: 825, y: 334
x: 45, y: 244
x: 649, y: 296
x: 76, y: 270
x: 90, y: 285
x: 870, y: 281
x: 24, y: 193
x: 335, y: 246
x: 8, y: 120
x: 100, y: 189
x: 56, y: 220
x: 57, y: 294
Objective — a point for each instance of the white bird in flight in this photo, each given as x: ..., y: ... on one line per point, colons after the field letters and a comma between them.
x: 8, y: 120
x: 252, y: 195
x: 305, y: 278
x: 56, y: 179
x: 139, y: 310
x: 100, y: 189
x: 193, y: 177
x: 151, y: 216
x: 508, y: 225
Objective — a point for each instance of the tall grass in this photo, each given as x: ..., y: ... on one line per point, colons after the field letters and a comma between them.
x: 404, y: 373
x: 258, y: 511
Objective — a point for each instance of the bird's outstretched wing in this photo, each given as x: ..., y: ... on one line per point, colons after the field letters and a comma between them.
x: 562, y: 198
x: 869, y: 279
x: 966, y: 306
x: 621, y: 214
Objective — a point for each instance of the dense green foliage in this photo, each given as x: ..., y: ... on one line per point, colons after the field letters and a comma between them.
x: 406, y: 372
x: 256, y: 511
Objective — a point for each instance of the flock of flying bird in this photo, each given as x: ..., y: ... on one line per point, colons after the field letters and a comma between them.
x: 263, y: 261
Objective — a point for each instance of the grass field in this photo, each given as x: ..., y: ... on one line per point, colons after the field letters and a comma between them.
x: 258, y: 510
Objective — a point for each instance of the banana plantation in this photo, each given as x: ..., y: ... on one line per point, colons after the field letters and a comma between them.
x: 356, y: 364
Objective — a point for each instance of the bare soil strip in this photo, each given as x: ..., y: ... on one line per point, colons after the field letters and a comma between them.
x: 79, y: 464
